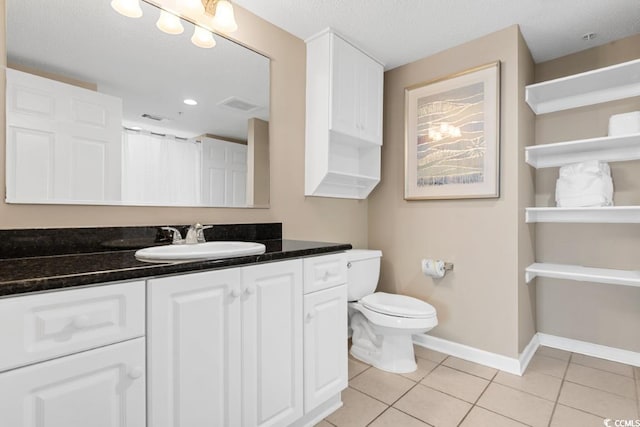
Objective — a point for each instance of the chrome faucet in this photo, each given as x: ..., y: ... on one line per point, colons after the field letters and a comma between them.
x: 176, y: 235
x: 195, y: 234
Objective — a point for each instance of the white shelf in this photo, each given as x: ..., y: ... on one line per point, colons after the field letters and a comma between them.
x: 583, y: 274
x: 607, y: 149
x: 592, y: 87
x: 610, y: 214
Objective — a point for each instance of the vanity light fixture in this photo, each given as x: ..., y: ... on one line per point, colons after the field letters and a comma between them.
x: 202, y: 38
x: 191, y: 101
x: 169, y: 23
x: 220, y: 12
x: 129, y: 8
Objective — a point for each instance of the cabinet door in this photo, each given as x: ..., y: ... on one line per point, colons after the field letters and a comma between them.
x: 370, y: 81
x: 98, y: 388
x: 325, y: 345
x: 344, y: 88
x: 272, y: 344
x: 194, y: 349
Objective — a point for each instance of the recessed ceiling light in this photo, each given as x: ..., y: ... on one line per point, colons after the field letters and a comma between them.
x: 190, y: 102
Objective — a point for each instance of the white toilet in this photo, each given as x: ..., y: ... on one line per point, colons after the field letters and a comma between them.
x: 382, y: 323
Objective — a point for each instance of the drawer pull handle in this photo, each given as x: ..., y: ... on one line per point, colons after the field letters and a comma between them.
x: 81, y: 322
x: 311, y: 315
x: 348, y: 265
x: 250, y: 291
x: 235, y: 293
x: 326, y: 275
x: 135, y: 372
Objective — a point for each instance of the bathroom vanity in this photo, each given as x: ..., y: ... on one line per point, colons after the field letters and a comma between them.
x: 252, y: 341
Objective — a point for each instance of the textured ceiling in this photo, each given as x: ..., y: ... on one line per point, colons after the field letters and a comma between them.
x: 401, y: 31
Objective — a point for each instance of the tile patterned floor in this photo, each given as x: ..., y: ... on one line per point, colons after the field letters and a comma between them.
x: 559, y: 389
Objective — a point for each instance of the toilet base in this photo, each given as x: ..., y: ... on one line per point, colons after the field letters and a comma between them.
x: 388, y: 352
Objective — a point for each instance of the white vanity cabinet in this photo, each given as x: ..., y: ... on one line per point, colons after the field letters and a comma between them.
x: 343, y: 118
x: 74, y: 358
x: 325, y: 329
x: 225, y: 347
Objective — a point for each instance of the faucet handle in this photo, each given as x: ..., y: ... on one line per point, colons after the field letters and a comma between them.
x: 177, y: 236
x: 200, y: 233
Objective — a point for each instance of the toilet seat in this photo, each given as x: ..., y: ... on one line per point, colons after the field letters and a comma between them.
x: 398, y: 306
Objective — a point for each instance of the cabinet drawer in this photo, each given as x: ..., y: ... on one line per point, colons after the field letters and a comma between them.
x: 44, y: 326
x: 324, y: 272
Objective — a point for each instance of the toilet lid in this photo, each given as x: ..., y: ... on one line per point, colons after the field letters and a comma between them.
x: 398, y: 305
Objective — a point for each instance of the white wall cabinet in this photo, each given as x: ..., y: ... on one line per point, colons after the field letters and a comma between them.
x: 343, y: 119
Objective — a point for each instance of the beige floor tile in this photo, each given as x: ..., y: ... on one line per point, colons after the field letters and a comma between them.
x: 603, y: 380
x: 382, y: 385
x: 470, y: 367
x: 518, y: 405
x: 547, y: 365
x: 480, y: 417
x: 323, y: 423
x: 358, y: 410
x: 425, y: 353
x: 541, y: 385
x: 433, y: 407
x: 394, y: 418
x: 356, y: 367
x: 597, y: 402
x: 553, y: 352
x: 456, y: 383
x: 569, y: 417
x: 605, y: 365
x: 424, y: 367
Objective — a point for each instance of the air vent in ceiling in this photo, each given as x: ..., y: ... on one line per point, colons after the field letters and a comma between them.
x: 236, y: 103
x: 156, y: 118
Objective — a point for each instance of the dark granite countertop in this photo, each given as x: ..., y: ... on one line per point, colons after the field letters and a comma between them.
x: 44, y: 273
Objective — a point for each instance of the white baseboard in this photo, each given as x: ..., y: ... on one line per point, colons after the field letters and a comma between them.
x: 472, y: 354
x: 596, y: 350
x: 518, y: 366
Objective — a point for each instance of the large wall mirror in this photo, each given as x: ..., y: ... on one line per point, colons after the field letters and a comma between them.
x: 96, y: 111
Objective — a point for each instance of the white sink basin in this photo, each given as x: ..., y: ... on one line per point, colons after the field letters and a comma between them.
x: 199, y: 251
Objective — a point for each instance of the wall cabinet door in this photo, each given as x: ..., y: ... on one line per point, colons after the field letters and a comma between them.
x: 356, y: 93
x: 98, y: 388
x: 194, y: 349
x: 325, y: 345
x: 272, y: 344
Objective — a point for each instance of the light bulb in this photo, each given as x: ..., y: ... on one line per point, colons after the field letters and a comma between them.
x: 128, y: 8
x: 169, y: 23
x: 223, y: 19
x: 203, y: 38
x: 194, y: 6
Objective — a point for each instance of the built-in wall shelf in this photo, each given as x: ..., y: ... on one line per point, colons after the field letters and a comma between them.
x: 608, y: 214
x: 607, y: 149
x: 592, y: 87
x: 583, y: 274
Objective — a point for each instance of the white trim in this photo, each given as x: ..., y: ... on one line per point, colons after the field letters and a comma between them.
x: 486, y: 358
x: 590, y: 349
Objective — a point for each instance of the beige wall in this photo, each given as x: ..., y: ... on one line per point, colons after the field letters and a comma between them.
x: 478, y: 302
x: 303, y: 218
x: 597, y: 313
x: 258, y: 163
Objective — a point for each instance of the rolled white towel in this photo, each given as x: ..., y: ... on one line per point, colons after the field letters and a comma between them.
x: 595, y: 167
x: 590, y: 200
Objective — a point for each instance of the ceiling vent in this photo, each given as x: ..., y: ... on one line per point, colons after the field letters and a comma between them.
x: 156, y: 118
x: 235, y: 103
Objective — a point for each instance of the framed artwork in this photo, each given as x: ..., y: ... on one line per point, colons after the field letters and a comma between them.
x: 452, y: 136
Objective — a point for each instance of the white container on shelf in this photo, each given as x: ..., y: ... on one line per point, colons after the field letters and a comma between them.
x: 624, y: 124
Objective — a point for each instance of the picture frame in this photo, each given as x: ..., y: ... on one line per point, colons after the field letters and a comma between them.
x: 452, y: 136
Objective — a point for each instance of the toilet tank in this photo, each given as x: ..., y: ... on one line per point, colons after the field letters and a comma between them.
x: 363, y: 273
